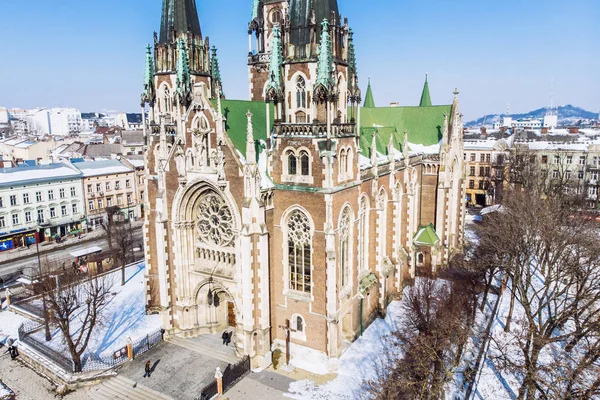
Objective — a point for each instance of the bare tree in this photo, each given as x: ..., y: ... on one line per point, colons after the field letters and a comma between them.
x: 76, y: 307
x: 436, y: 328
x: 549, y: 251
x: 120, y: 237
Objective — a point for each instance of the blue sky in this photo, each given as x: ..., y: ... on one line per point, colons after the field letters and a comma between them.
x: 89, y: 54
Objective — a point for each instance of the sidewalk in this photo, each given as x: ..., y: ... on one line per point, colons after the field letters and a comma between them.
x: 23, y: 252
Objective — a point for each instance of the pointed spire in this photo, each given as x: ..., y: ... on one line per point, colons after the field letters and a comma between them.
x: 215, y: 70
x: 325, y: 64
x: 276, y: 61
x: 184, y: 84
x: 148, y: 93
x: 255, y: 6
x: 250, y: 147
x: 351, y: 54
x: 425, y: 98
x: 179, y: 16
x: 369, y: 101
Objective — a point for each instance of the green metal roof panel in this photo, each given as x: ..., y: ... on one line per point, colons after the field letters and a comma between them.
x: 426, y: 236
x: 423, y: 124
x: 236, y: 121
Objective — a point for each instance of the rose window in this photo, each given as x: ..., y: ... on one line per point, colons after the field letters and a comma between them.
x: 215, y: 221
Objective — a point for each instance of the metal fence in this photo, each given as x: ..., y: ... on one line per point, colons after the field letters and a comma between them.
x: 91, y: 361
x: 25, y: 332
x: 231, y: 375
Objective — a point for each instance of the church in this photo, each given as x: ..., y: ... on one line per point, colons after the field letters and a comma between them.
x: 295, y: 217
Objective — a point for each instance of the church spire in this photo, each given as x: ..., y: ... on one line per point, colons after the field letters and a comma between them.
x: 180, y: 16
x: 274, y: 81
x: 250, y: 146
x: 215, y: 70
x: 325, y: 65
x: 369, y: 101
x: 425, y: 98
x: 184, y: 83
x: 148, y: 94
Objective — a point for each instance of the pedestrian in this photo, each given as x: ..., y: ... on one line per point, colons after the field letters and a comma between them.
x: 229, y: 335
x: 147, y: 369
x: 225, y: 337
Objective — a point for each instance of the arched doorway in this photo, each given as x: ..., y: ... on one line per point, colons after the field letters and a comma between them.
x: 216, y: 307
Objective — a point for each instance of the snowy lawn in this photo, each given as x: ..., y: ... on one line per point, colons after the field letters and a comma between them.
x: 124, y: 316
x: 359, y: 364
x: 9, y: 325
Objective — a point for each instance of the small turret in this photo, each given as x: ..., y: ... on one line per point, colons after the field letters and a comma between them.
x: 369, y: 101
x: 425, y: 97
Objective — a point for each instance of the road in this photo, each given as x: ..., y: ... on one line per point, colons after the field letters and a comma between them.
x: 11, y: 269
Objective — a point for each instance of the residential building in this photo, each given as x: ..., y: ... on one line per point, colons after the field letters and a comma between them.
x: 485, y: 166
x: 47, y: 198
x: 55, y: 121
x: 129, y: 121
x: 298, y: 209
x: 107, y: 183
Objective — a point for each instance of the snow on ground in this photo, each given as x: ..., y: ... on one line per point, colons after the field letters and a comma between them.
x: 358, y: 364
x: 494, y: 384
x: 124, y: 316
x: 9, y: 324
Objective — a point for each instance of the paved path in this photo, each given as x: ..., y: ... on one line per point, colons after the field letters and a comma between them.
x: 27, y: 384
x: 178, y: 372
x: 265, y: 385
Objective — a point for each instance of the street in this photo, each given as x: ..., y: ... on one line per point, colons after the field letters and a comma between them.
x: 10, y: 270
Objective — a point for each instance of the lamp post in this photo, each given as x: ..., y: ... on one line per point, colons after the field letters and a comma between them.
x: 44, y: 309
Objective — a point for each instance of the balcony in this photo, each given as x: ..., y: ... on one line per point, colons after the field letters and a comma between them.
x: 314, y: 130
x: 258, y: 58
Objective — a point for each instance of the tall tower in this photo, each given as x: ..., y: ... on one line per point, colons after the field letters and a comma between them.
x: 301, y: 59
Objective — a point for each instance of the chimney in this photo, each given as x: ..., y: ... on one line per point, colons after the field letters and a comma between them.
x: 544, y: 130
x: 483, y: 130
x: 574, y: 130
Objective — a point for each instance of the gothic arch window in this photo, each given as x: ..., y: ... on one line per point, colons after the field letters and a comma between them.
x: 301, y: 117
x: 276, y: 17
x: 167, y: 99
x: 343, y: 162
x: 299, y: 245
x: 304, y: 163
x: 299, y: 323
x: 300, y: 92
x: 420, y: 259
x: 291, y: 160
x: 345, y: 241
x: 214, y: 221
x: 363, y: 227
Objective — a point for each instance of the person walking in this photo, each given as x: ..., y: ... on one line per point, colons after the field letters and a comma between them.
x: 147, y: 369
x: 225, y: 337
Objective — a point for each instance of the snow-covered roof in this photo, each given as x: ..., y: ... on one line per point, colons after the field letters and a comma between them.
x: 136, y: 163
x: 103, y: 167
x: 544, y: 145
x: 37, y: 174
x: 419, y: 148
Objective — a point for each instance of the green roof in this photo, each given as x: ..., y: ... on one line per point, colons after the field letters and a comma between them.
x: 426, y: 236
x: 423, y: 124
x: 369, y: 101
x: 425, y: 97
x: 236, y: 121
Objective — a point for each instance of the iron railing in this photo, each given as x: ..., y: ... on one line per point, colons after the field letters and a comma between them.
x: 231, y: 375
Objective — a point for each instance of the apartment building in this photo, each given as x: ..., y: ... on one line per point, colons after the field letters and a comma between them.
x: 484, y: 160
x: 108, y: 183
x: 39, y: 203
